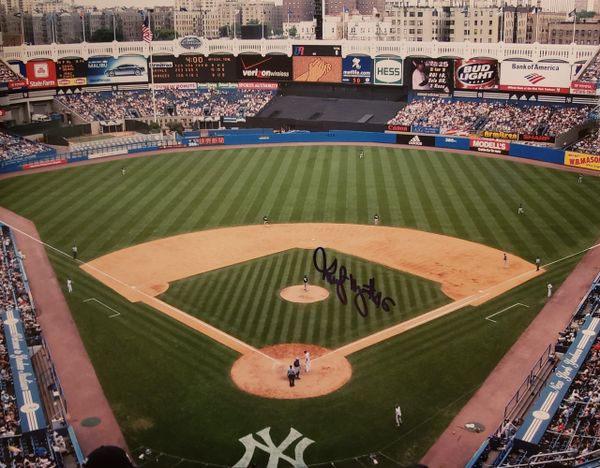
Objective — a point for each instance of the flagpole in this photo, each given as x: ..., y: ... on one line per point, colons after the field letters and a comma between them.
x: 83, y: 23
x: 574, y: 23
x: 152, y: 71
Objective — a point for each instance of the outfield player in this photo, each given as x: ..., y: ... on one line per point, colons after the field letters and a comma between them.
x: 122, y: 171
x: 74, y: 251
x: 520, y: 210
x: 398, y: 415
x: 69, y: 285
x: 549, y: 287
x: 580, y: 178
x: 361, y: 154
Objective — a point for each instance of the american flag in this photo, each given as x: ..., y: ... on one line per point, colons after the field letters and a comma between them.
x: 146, y: 31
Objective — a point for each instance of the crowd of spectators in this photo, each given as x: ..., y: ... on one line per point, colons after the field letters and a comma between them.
x: 110, y: 105
x: 575, y: 427
x: 31, y: 451
x: 591, y: 74
x: 13, y: 147
x: 464, y: 116
x: 7, y: 74
x: 590, y: 144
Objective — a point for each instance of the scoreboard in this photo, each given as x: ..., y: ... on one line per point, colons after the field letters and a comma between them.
x: 318, y: 50
x: 71, y: 72
x: 194, y: 68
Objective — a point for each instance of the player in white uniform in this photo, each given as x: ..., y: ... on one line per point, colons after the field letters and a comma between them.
x: 398, y: 415
x: 306, y: 361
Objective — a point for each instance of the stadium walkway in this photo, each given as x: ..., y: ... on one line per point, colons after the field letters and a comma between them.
x: 456, y: 445
x: 82, y: 389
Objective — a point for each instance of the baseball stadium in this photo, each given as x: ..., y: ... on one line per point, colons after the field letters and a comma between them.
x: 307, y: 253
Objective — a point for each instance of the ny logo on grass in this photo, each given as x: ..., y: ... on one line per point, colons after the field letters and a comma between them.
x: 275, y: 451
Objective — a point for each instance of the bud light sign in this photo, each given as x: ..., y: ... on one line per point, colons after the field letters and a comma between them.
x: 388, y: 71
x: 476, y: 74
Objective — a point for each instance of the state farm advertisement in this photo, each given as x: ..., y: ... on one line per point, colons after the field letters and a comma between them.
x: 268, y: 68
x: 535, y: 77
x: 476, y: 74
x: 490, y: 146
x: 41, y: 74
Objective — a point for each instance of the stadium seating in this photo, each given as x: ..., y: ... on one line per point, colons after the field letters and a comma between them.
x: 41, y: 448
x: 7, y: 74
x: 591, y: 74
x: 13, y: 148
x: 573, y: 435
x: 177, y: 102
x: 589, y: 144
x: 465, y: 116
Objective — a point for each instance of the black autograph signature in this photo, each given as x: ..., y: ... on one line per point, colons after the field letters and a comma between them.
x: 362, y: 293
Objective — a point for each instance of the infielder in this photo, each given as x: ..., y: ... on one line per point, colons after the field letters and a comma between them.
x: 305, y: 279
x: 265, y: 220
x: 74, y: 251
x: 297, y: 367
x: 376, y: 219
x: 306, y: 362
x: 538, y: 262
x: 505, y: 259
x: 398, y: 415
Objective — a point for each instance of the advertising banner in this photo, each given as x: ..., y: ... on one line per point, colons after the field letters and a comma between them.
x: 19, y: 68
x: 260, y: 85
x: 388, y: 71
x: 125, y: 69
x: 317, y: 69
x: 194, y: 68
x: 397, y: 128
x: 421, y: 129
x: 431, y: 74
x: 535, y: 77
x: 71, y: 72
x: 500, y: 135
x: 476, y: 74
x: 415, y: 140
x: 538, y: 138
x: 452, y: 142
x: 583, y: 87
x: 268, y: 68
x: 41, y: 74
x: 582, y: 160
x: 490, y: 146
x: 206, y: 141
x: 357, y: 69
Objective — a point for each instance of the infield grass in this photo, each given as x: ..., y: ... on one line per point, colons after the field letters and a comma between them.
x: 170, y: 387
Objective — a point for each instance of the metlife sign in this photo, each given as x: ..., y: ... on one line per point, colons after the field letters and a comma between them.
x: 388, y: 71
x: 357, y: 69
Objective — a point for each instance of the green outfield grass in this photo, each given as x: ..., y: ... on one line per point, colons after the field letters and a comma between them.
x: 170, y: 387
x: 244, y: 301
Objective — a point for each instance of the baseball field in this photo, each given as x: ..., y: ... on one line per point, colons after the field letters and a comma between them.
x: 181, y: 282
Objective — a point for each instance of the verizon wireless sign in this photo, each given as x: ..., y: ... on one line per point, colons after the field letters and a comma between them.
x: 489, y: 146
x: 535, y: 77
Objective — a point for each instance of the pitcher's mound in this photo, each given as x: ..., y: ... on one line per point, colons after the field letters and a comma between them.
x: 298, y: 294
x: 266, y: 375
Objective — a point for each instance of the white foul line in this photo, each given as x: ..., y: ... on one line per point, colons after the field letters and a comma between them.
x: 116, y: 312
x: 489, y: 317
x: 572, y: 255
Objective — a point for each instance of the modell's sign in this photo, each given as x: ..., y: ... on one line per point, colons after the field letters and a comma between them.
x: 490, y: 146
x: 476, y: 74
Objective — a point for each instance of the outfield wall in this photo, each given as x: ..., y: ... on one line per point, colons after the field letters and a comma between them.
x: 232, y: 137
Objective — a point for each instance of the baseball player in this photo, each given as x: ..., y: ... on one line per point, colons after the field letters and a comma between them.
x: 123, y: 171
x: 580, y: 178
x: 74, y: 251
x: 361, y: 154
x: 297, y: 367
x: 520, y: 210
x: 505, y: 260
x: 265, y: 220
x: 376, y: 219
x: 398, y: 415
x: 306, y: 362
x: 538, y: 262
x: 549, y: 287
x: 305, y: 279
x: 69, y: 285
